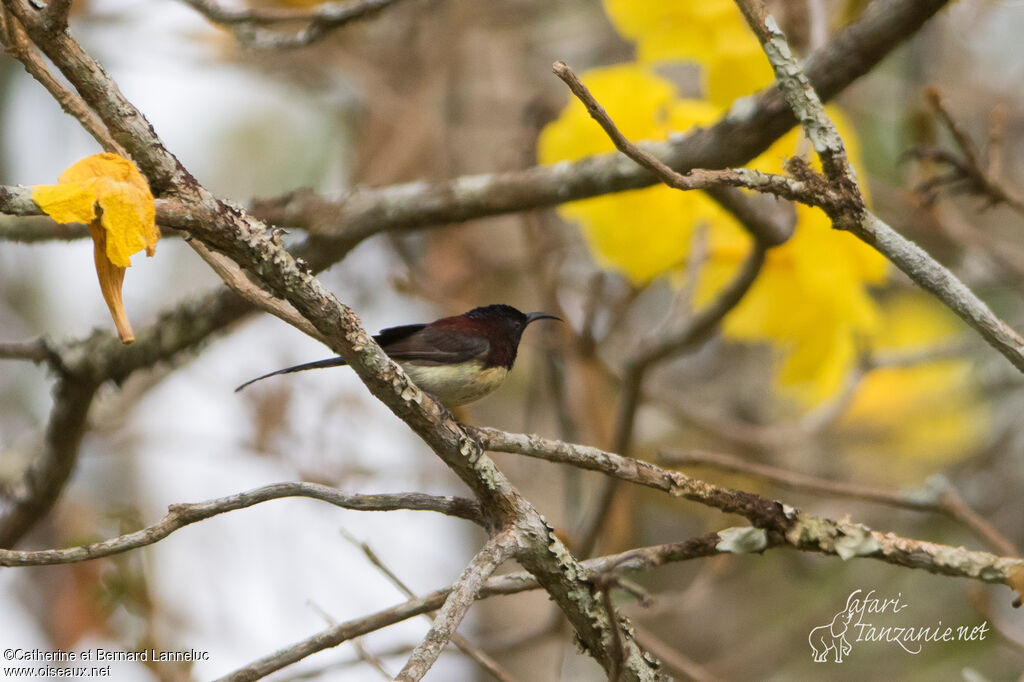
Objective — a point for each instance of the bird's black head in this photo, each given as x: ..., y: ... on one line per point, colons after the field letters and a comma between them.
x: 504, y: 326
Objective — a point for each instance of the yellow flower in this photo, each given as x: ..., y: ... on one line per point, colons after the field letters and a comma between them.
x: 108, y: 193
x: 642, y: 233
x: 929, y: 412
x: 812, y: 299
x: 711, y: 33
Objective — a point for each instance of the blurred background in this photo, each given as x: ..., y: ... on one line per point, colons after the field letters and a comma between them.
x: 834, y: 365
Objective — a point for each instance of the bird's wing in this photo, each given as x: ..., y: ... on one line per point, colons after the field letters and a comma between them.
x: 391, y: 335
x: 432, y: 345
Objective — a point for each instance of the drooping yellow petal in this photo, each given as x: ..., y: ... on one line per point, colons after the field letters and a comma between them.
x: 128, y: 219
x: 110, y: 194
x: 111, y: 279
x: 67, y: 203
x: 116, y: 186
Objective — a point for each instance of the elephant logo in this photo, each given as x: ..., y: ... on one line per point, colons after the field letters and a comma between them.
x: 832, y: 637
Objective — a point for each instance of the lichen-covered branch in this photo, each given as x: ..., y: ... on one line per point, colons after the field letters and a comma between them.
x: 782, y: 523
x: 248, y: 242
x: 941, y: 498
x: 848, y: 212
x: 181, y: 515
x: 511, y: 583
x: 731, y: 142
x: 463, y: 593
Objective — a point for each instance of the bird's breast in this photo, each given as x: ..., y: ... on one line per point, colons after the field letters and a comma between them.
x: 456, y: 384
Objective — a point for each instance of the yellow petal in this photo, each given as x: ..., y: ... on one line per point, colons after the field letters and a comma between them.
x: 111, y: 278
x: 117, y: 187
x: 67, y: 203
x: 128, y: 219
x: 110, y: 194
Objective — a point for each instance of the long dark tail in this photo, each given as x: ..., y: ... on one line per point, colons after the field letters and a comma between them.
x: 319, y: 364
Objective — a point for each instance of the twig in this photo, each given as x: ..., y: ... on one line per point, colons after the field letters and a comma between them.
x: 237, y: 280
x: 953, y: 504
x: 12, y: 35
x: 781, y: 523
x: 464, y: 593
x: 180, y: 515
x: 769, y: 183
x: 944, y: 500
x: 685, y: 667
x: 694, y: 330
x: 479, y: 656
x: 510, y: 583
x: 37, y: 351
x: 982, y: 178
x: 732, y: 141
x: 847, y: 206
x: 371, y: 660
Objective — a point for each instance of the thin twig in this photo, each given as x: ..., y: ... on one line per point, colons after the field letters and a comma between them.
x: 13, y: 37
x: 803, y: 531
x: 945, y: 500
x: 847, y: 205
x: 239, y: 282
x: 371, y: 660
x: 510, y: 583
x: 471, y: 650
x: 982, y: 177
x: 695, y: 329
x: 768, y: 183
x: 180, y: 515
x: 464, y: 593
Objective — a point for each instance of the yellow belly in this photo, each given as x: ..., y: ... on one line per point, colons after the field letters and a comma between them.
x: 457, y: 384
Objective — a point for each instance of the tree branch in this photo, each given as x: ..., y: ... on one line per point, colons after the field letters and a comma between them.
x: 848, y: 213
x: 35, y: 492
x: 731, y: 142
x: 463, y: 593
x: 180, y: 515
x: 247, y: 241
x: 943, y: 500
x: 781, y: 523
x: 480, y: 657
x: 510, y: 583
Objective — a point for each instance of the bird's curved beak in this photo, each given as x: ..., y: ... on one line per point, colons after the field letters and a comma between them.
x: 533, y: 317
